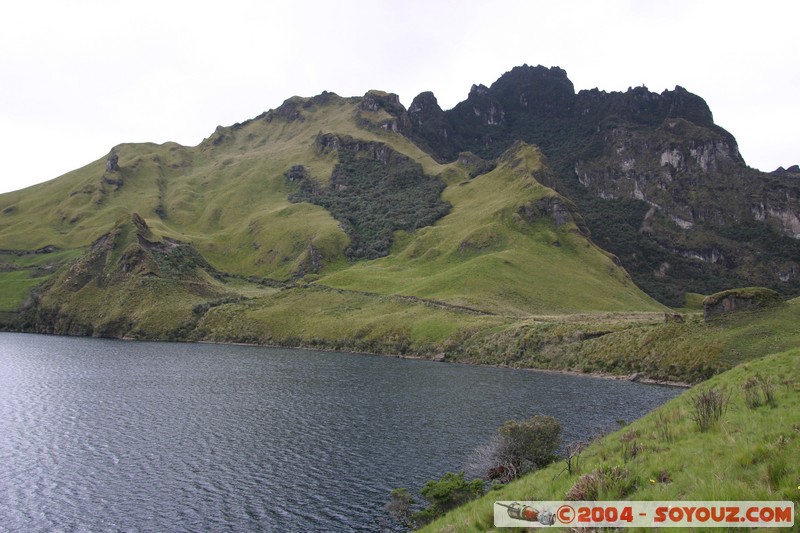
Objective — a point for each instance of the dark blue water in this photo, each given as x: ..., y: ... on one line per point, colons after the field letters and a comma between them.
x: 100, y: 435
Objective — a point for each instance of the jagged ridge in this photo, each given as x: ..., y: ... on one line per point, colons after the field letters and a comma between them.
x: 692, y: 204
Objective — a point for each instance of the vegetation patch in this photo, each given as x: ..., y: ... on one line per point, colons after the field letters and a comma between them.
x: 373, y: 192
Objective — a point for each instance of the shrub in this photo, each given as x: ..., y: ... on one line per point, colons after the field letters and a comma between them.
x: 768, y: 391
x: 572, y: 456
x: 616, y: 482
x: 587, y: 488
x: 373, y: 192
x: 752, y: 393
x: 709, y: 407
x: 445, y: 494
x: 517, y: 448
x: 758, y: 391
x: 608, y: 482
x: 399, y: 506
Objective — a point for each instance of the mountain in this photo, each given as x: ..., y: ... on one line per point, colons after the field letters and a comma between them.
x: 657, y: 182
x: 319, y: 223
x: 505, y: 226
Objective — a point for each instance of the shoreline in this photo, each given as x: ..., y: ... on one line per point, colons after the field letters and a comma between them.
x: 637, y: 377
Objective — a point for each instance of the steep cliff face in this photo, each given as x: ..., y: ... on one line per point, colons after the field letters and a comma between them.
x: 674, y: 168
x: 697, y: 218
x: 429, y: 123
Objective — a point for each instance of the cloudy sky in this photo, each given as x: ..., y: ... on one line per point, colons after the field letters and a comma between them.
x: 79, y: 77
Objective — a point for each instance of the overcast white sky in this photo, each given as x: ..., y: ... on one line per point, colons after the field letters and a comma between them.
x: 79, y: 77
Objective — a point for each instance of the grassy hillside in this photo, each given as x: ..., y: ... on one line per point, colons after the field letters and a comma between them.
x: 750, y: 454
x: 507, y: 248
x: 227, y: 195
x: 689, y: 350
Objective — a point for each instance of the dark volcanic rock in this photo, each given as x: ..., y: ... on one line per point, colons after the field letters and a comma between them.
x: 112, y: 163
x: 650, y: 172
x: 375, y: 101
x: 791, y: 172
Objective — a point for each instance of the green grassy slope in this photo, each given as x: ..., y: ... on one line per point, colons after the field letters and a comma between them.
x: 227, y: 195
x: 751, y: 454
x: 623, y: 344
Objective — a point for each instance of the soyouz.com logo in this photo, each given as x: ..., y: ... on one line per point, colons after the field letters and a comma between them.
x: 644, y: 514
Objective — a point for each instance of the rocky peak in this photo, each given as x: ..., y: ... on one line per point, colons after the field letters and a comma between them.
x: 682, y: 103
x: 791, y: 172
x: 535, y: 76
x: 424, y: 105
x: 656, y: 153
x: 377, y: 101
x: 429, y: 125
x: 537, y: 90
x: 478, y: 90
x: 483, y: 106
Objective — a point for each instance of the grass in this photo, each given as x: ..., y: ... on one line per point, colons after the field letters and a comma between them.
x: 16, y: 287
x: 748, y: 455
x: 688, y: 351
x: 348, y: 320
x: 20, y: 272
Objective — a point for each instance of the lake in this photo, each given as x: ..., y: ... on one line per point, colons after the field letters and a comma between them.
x: 105, y: 435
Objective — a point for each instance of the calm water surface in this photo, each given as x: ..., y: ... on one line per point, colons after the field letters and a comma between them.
x: 101, y: 435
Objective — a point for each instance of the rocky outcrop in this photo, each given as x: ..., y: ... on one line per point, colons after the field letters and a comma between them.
x: 289, y: 111
x: 475, y: 165
x: 112, y: 163
x: 373, y: 150
x: 394, y: 116
x: 429, y: 125
x: 112, y: 174
x: 669, y: 168
x: 553, y: 208
x: 735, y: 300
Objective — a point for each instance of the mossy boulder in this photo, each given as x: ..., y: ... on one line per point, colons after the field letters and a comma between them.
x: 734, y: 300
